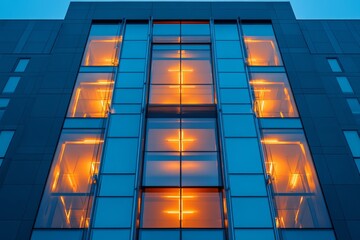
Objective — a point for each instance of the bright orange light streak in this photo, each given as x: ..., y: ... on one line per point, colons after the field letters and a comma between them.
x: 294, y: 180
x: 181, y: 139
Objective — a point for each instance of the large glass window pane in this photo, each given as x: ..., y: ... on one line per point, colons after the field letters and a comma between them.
x: 21, y: 65
x: 67, y: 194
x: 166, y: 32
x: 195, y: 32
x: 5, y: 139
x: 165, y: 65
x: 344, y: 85
x: 226, y: 32
x: 152, y: 234
x: 261, y: 45
x: 273, y: 96
x: 11, y: 84
x: 102, y: 44
x: 134, y: 49
x: 92, y: 95
x: 136, y: 31
x: 186, y: 208
x: 353, y: 140
x: 298, y: 197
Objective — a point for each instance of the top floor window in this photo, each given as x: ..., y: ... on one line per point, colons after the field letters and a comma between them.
x: 102, y: 45
x: 261, y: 45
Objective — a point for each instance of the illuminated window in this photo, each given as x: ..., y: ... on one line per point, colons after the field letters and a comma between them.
x: 181, y: 208
x: 298, y: 197
x: 92, y: 95
x: 261, y: 45
x: 181, y: 74
x: 181, y: 31
x: 102, y: 45
x: 273, y: 96
x: 67, y: 196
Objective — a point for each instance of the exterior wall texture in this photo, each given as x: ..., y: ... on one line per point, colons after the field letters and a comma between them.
x: 37, y: 109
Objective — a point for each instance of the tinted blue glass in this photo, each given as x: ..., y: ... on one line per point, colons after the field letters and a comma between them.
x: 77, y: 123
x: 228, y: 49
x: 159, y: 234
x: 353, y: 140
x: 315, y: 234
x: 135, y: 31
x: 202, y: 235
x: 226, y: 32
x: 280, y: 123
x: 257, y: 30
x: 130, y: 80
x: 230, y: 65
x: 21, y: 65
x: 5, y: 139
x: 11, y: 84
x: 254, y: 234
x: 124, y: 126
x: 194, y: 32
x: 243, y: 155
x: 344, y: 85
x: 113, y: 234
x: 354, y: 105
x: 255, y: 212
x: 125, y: 96
x: 247, y: 185
x: 113, y: 212
x: 109, y: 185
x: 234, y: 126
x: 232, y: 80
x: 56, y: 234
x: 4, y: 102
x: 334, y: 65
x: 134, y: 49
x: 357, y: 161
x: 116, y: 147
x: 234, y: 96
x: 166, y: 32
x: 132, y: 65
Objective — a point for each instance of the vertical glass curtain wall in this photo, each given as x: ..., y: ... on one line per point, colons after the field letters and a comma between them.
x: 298, y: 199
x: 65, y: 209
x: 181, y: 178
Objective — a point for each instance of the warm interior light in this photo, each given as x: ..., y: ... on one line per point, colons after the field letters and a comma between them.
x: 262, y: 52
x: 101, y: 52
x: 180, y: 212
x: 181, y: 139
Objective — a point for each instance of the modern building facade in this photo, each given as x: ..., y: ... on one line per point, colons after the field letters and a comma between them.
x: 182, y: 121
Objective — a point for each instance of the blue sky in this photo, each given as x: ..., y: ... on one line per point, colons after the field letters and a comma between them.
x: 56, y: 9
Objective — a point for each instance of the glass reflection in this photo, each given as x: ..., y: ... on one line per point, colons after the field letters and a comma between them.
x: 102, y: 45
x: 181, y: 207
x: 297, y: 194
x: 92, y: 95
x: 273, y: 96
x: 67, y: 194
x: 261, y: 45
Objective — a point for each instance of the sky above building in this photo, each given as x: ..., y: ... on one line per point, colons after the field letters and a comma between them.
x: 56, y: 9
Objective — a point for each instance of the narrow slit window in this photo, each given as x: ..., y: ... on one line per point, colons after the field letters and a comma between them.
x: 334, y: 64
x: 354, y: 105
x: 67, y: 195
x: 92, y: 95
x: 344, y: 85
x: 21, y: 65
x: 261, y: 45
x: 11, y: 85
x: 102, y: 45
x: 5, y: 140
x: 353, y: 140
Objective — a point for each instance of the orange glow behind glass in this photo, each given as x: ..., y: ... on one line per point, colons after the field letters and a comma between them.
x: 101, y: 52
x: 262, y: 52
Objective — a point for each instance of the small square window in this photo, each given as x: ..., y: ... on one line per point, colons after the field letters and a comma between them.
x: 354, y: 105
x: 21, y: 65
x: 334, y: 64
x: 344, y: 85
x: 11, y: 84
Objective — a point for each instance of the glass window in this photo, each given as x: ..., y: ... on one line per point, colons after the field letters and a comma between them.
x: 184, y: 78
x: 113, y: 212
x: 152, y: 234
x: 334, y: 64
x: 134, y: 49
x: 166, y: 31
x: 5, y: 140
x: 261, y: 45
x: 230, y: 65
x: 42, y: 234
x: 21, y: 65
x: 226, y: 32
x: 232, y: 80
x: 208, y: 234
x: 273, y: 96
x: 228, y: 49
x: 11, y: 84
x: 354, y: 105
x: 185, y: 208
x: 255, y: 234
x: 353, y: 140
x: 309, y: 234
x: 124, y: 125
x: 165, y: 134
x: 195, y: 32
x: 110, y: 234
x: 357, y: 162
x: 109, y: 185
x: 67, y: 195
x: 344, y: 85
x: 247, y: 185
x: 4, y: 102
x: 234, y: 126
x: 298, y: 198
x: 92, y: 95
x: 136, y: 31
x: 102, y: 44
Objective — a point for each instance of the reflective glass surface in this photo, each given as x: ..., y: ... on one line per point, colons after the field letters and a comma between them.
x: 92, y: 95
x: 5, y: 140
x: 11, y: 84
x: 21, y: 65
x: 298, y: 197
x: 353, y: 140
x: 334, y: 64
x: 102, y: 44
x: 344, y: 85
x: 67, y: 194
x: 354, y: 105
x: 273, y: 96
x: 261, y: 45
